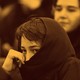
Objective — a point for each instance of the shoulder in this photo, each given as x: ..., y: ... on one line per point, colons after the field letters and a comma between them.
x: 70, y: 70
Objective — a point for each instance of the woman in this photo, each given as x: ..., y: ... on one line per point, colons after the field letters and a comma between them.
x: 47, y: 53
x: 67, y: 13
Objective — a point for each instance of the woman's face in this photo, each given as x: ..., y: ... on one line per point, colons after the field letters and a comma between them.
x: 67, y: 13
x: 32, y: 4
x: 29, y: 47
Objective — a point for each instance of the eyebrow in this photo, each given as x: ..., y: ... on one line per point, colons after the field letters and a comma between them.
x: 75, y: 7
x: 34, y: 46
x: 69, y: 6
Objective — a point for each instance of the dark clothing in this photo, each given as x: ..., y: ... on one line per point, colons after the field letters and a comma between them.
x: 70, y: 71
x: 14, y: 75
x: 56, y: 58
x: 75, y: 40
x: 4, y: 75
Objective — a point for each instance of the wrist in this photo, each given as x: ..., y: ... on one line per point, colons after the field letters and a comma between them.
x: 4, y: 68
x: 8, y: 65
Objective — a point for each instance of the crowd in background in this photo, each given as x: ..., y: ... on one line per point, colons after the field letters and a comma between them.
x: 15, y: 12
x: 12, y: 14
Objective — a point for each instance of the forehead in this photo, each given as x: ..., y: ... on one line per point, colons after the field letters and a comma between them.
x: 26, y: 43
x: 68, y: 2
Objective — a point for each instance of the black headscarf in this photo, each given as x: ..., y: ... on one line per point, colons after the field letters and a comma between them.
x: 55, y: 51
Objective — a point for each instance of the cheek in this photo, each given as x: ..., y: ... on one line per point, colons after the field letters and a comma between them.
x: 56, y: 15
x: 74, y: 17
x: 75, y: 20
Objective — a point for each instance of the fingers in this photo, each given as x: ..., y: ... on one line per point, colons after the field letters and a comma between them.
x: 15, y: 54
x: 8, y: 64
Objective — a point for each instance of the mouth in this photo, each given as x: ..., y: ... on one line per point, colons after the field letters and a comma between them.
x: 64, y: 23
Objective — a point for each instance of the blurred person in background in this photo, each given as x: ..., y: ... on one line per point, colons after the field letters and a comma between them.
x: 12, y: 14
x: 67, y: 13
x: 36, y: 7
x: 7, y: 25
x: 15, y: 12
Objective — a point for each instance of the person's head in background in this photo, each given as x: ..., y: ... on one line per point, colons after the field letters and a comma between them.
x: 31, y: 4
x: 37, y: 5
x: 67, y: 13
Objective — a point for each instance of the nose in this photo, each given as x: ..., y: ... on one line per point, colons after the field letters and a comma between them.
x: 29, y: 54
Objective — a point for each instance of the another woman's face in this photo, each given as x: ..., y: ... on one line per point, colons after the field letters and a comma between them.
x: 67, y: 13
x: 29, y: 47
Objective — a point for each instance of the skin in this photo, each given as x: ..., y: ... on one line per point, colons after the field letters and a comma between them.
x: 67, y: 13
x: 29, y: 47
x: 32, y: 4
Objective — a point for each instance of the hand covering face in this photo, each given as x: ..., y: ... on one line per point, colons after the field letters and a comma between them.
x: 55, y: 51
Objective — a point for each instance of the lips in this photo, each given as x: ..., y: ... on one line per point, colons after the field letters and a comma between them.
x: 64, y: 23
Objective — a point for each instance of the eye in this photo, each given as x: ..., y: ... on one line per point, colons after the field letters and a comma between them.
x: 71, y: 9
x: 34, y: 51
x: 23, y: 50
x: 58, y: 8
